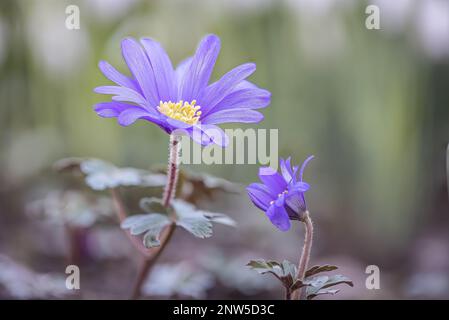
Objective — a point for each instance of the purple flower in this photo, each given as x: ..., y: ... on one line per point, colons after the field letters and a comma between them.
x: 180, y: 98
x: 281, y: 196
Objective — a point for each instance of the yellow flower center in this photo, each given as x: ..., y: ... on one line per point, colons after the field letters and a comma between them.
x: 181, y: 110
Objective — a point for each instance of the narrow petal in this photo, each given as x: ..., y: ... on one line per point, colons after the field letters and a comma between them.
x: 180, y: 72
x: 296, y: 204
x: 176, y: 124
x: 200, y: 69
x: 207, y: 134
x: 304, y: 164
x: 131, y: 115
x: 273, y: 180
x: 123, y: 94
x: 111, y: 109
x: 112, y: 74
x: 199, y: 136
x: 162, y: 68
x: 214, y: 134
x: 214, y: 93
x: 259, y: 195
x: 286, y: 169
x: 141, y: 69
x: 244, y: 96
x: 299, y: 187
x: 232, y: 115
x: 278, y: 216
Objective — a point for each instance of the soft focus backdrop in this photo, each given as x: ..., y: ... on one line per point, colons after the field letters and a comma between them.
x: 371, y: 105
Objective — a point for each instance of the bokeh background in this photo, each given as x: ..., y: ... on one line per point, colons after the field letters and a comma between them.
x: 371, y: 105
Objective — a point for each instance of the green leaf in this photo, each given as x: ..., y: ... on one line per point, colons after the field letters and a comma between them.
x: 141, y: 223
x: 285, y: 271
x: 198, y: 222
x: 298, y: 284
x: 151, y: 238
x: 183, y: 208
x: 152, y: 224
x: 317, y: 269
x: 212, y: 182
x: 153, y: 204
x: 219, y: 218
x: 101, y: 175
x: 323, y: 292
x: 199, y: 226
x: 316, y: 285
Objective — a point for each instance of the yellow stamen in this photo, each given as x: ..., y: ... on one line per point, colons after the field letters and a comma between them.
x: 182, y: 111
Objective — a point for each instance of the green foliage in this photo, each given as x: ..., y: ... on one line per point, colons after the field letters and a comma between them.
x: 286, y: 273
x: 319, y: 285
x: 101, y: 175
x: 152, y: 204
x: 151, y: 224
x: 198, y: 222
x: 72, y: 208
x: 317, y: 269
x: 184, y: 214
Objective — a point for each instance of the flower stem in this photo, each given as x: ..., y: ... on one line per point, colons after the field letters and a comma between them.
x: 172, y: 171
x: 305, y: 255
x: 169, y: 194
x: 148, y: 263
x: 288, y: 294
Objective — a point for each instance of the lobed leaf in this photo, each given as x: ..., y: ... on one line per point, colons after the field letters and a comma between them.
x: 316, y: 285
x: 141, y: 223
x: 285, y: 271
x: 198, y: 222
x: 151, y: 238
x: 199, y: 226
x: 101, y: 175
x: 219, y: 218
x: 153, y: 204
x: 317, y: 269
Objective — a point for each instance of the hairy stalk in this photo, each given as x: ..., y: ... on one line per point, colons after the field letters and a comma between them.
x: 169, y: 193
x: 172, y: 170
x: 305, y: 255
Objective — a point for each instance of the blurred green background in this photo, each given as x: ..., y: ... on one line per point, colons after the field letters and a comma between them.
x: 371, y: 105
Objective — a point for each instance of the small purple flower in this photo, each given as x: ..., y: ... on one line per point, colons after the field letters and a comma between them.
x: 180, y: 98
x: 281, y: 196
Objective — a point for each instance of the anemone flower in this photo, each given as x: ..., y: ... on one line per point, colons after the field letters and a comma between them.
x: 281, y: 195
x: 182, y: 98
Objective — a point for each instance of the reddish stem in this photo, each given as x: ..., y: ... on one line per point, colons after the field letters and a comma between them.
x: 305, y: 255
x: 121, y: 214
